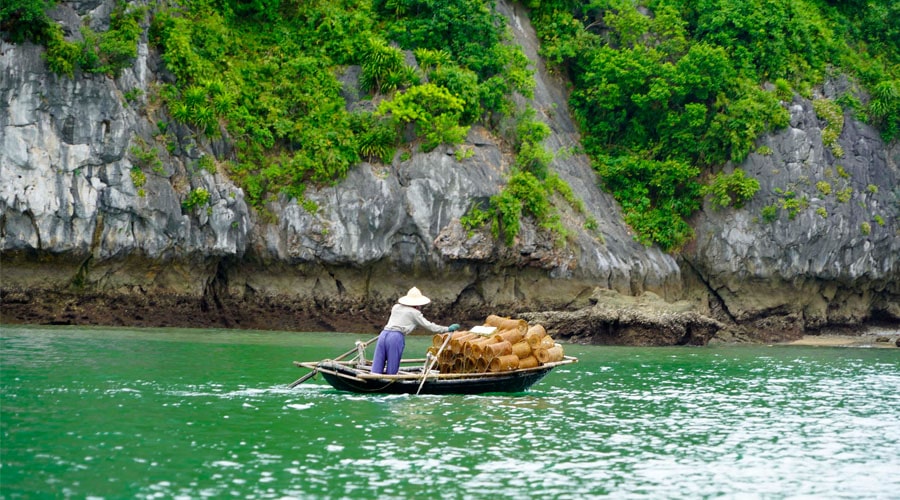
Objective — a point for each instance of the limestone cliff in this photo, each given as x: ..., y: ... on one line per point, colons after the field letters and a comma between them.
x: 86, y: 239
x: 826, y: 251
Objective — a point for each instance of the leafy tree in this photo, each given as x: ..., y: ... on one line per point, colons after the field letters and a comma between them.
x: 667, y: 88
x: 265, y: 11
x: 61, y: 56
x: 477, y: 43
x: 377, y: 139
x: 463, y: 84
x: 115, y: 49
x: 656, y: 196
x: 433, y: 110
x: 380, y: 62
x: 885, y: 108
x: 465, y: 28
x: 731, y: 189
x: 108, y: 52
x: 25, y: 20
x: 765, y: 38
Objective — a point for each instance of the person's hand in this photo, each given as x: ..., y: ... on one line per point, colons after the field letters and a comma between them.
x: 453, y: 327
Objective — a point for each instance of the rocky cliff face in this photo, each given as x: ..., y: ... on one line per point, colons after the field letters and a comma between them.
x: 85, y: 239
x: 819, y: 244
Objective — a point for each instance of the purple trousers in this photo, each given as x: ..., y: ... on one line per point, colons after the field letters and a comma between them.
x: 388, y: 351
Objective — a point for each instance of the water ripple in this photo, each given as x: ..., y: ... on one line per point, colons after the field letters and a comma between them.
x: 86, y: 417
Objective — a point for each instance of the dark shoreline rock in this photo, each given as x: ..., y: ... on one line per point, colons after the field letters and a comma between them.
x: 610, y: 318
x: 49, y: 307
x: 645, y: 324
x: 615, y: 319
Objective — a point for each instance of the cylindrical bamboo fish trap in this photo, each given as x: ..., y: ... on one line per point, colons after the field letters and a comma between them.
x: 534, y: 335
x: 439, y: 338
x: 468, y: 347
x: 504, y: 363
x: 521, y: 349
x: 515, y: 344
x: 550, y: 355
x: 547, y: 342
x: 537, y: 329
x: 457, y: 344
x: 496, y: 349
x: 511, y: 336
x: 506, y: 323
x: 459, y: 334
x: 528, y: 362
x: 479, y: 346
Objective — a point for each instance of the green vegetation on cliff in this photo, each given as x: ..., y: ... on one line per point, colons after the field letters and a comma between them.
x: 666, y: 91
x: 25, y: 20
x: 107, y: 53
x: 268, y: 74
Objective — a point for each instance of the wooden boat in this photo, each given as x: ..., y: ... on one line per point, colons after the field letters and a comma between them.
x: 354, y: 377
x: 417, y: 377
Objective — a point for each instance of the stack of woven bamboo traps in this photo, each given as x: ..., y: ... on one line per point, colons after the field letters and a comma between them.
x: 501, y: 344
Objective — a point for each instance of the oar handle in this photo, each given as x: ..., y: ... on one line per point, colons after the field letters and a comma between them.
x: 431, y: 362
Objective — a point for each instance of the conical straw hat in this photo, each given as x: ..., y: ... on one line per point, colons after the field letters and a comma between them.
x: 414, y: 298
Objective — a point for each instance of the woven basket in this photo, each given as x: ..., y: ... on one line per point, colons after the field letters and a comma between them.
x: 506, y: 323
x: 504, y: 363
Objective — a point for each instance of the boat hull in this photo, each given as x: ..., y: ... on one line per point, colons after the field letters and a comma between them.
x: 346, y: 379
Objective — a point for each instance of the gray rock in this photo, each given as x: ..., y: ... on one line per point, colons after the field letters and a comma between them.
x: 72, y: 221
x: 616, y: 319
x: 835, y: 259
x: 67, y: 162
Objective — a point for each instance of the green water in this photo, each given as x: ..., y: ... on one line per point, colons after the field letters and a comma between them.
x: 163, y: 413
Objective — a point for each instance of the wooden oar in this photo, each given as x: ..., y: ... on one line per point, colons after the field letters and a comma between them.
x: 431, y: 362
x: 342, y: 356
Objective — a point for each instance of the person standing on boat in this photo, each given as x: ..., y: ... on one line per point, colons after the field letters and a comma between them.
x: 405, y: 317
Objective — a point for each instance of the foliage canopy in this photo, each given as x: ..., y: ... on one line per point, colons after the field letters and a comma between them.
x: 667, y: 92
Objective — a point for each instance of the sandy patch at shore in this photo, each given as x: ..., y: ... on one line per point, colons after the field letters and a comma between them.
x: 840, y: 341
x: 872, y: 337
x: 881, y: 336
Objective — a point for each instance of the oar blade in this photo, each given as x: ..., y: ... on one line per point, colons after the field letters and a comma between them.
x: 303, y: 379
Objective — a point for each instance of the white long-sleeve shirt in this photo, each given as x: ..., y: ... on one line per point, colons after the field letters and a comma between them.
x: 405, y: 319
